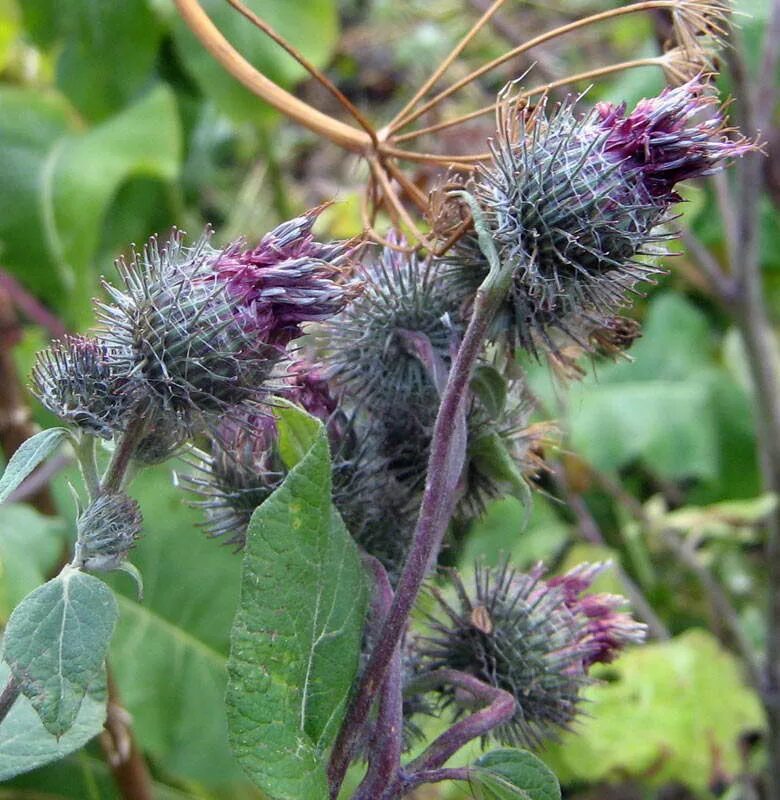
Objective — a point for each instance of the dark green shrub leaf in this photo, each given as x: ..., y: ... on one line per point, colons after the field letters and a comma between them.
x: 31, y: 453
x: 55, y: 643
x: 296, y: 636
x: 510, y: 774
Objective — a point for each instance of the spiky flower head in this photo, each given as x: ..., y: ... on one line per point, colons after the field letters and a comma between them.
x: 391, y: 345
x: 574, y: 202
x: 107, y: 530
x: 78, y: 379
x: 239, y: 474
x: 532, y: 638
x: 202, y: 329
x: 289, y: 278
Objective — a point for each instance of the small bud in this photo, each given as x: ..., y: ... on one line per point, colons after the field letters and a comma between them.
x: 107, y: 530
x: 81, y: 380
x: 532, y: 638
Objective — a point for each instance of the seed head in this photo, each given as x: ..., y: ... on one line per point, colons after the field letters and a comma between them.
x: 107, y: 530
x: 532, y: 638
x: 574, y: 203
x: 81, y: 380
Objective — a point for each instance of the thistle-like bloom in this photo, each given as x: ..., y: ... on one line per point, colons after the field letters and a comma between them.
x: 107, y: 530
x: 241, y: 472
x: 203, y: 329
x: 78, y: 378
x: 289, y: 278
x: 573, y: 203
x: 391, y: 346
x: 532, y: 638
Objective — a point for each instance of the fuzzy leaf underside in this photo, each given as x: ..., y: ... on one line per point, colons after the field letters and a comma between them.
x: 510, y: 774
x: 55, y: 644
x: 29, y: 455
x: 296, y: 637
x: 26, y: 745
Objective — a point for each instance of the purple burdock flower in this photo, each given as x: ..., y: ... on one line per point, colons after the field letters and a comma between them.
x: 289, y: 278
x: 574, y: 203
x: 607, y: 630
x: 533, y: 638
x: 201, y: 329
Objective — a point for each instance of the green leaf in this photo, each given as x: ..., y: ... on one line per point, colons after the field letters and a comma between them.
x: 55, y: 643
x: 296, y: 637
x: 297, y: 431
x: 490, y: 386
x: 688, y: 699
x: 310, y: 25
x: 25, y: 744
x: 105, y: 51
x: 30, y: 544
x: 29, y: 455
x: 507, y: 774
x: 491, y: 457
x: 57, y: 181
x: 169, y: 654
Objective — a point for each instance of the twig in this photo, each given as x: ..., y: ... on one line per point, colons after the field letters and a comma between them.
x: 316, y: 73
x: 721, y: 606
x: 633, y: 8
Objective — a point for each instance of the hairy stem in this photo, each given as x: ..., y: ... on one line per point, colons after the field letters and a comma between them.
x: 444, y: 469
x: 384, y: 760
x: 8, y: 697
x: 123, y: 454
x: 500, y: 706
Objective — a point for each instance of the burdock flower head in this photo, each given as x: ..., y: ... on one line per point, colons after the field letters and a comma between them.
x: 200, y: 330
x: 239, y: 474
x: 533, y: 638
x: 107, y: 530
x: 81, y: 380
x: 391, y: 346
x: 574, y: 202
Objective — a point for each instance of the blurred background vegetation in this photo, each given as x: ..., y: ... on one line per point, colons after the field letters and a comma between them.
x: 115, y: 123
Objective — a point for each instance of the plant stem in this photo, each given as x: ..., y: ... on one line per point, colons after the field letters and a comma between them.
x: 9, y: 696
x: 444, y: 468
x: 384, y: 760
x: 500, y: 708
x: 120, y: 461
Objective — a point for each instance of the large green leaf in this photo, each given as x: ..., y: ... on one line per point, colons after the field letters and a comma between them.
x: 673, y: 408
x: 105, y: 51
x: 510, y: 774
x: 30, y: 545
x: 55, y: 644
x: 310, y: 25
x: 25, y: 744
x: 56, y: 183
x: 686, y: 697
x: 296, y: 637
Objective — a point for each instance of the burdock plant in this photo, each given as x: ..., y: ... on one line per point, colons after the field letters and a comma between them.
x: 338, y: 409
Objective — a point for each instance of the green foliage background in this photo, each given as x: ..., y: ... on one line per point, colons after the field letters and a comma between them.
x: 115, y: 123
